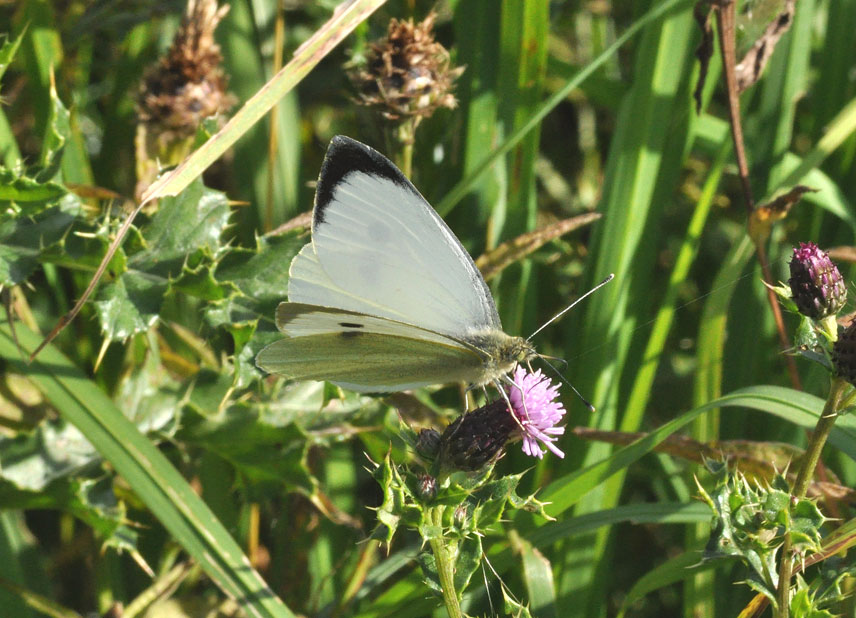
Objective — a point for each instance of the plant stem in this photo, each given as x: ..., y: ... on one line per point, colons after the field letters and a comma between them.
x: 804, y: 476
x: 446, y: 572
x: 406, y: 135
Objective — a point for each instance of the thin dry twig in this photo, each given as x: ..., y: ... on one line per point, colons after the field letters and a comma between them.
x: 493, y: 262
x: 725, y: 15
x: 757, y: 460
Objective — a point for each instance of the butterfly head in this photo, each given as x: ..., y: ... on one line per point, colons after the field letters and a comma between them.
x: 521, y: 350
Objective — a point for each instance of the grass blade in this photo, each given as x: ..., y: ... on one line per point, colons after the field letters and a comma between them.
x: 463, y: 187
x: 150, y: 474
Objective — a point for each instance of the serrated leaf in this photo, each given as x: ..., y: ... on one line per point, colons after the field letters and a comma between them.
x: 199, y: 281
x: 467, y: 561
x: 261, y: 452
x: 489, y: 502
x: 85, y: 251
x: 57, y: 132
x: 513, y: 607
x: 262, y: 274
x: 236, y: 311
x: 24, y: 237
x: 90, y: 500
x: 387, y: 513
x: 180, y: 243
x: 260, y: 279
x: 129, y: 305
x: 8, y: 49
x: 27, y: 193
x: 803, y: 606
x: 193, y: 220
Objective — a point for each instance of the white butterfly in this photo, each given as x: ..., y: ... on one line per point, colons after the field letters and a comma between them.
x: 384, y: 298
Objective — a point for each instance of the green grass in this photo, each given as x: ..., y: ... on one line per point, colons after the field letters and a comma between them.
x: 143, y: 439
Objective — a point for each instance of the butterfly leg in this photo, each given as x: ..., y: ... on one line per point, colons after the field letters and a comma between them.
x: 502, y: 392
x: 486, y: 396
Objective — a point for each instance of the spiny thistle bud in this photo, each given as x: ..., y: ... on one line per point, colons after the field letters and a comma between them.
x: 427, y: 487
x: 817, y: 287
x: 460, y: 515
x: 477, y: 438
x: 844, y: 354
x: 407, y: 74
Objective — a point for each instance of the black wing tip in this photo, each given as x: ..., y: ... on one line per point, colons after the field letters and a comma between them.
x: 346, y: 155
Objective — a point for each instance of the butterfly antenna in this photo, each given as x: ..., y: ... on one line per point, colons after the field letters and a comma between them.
x: 554, y: 358
x: 585, y: 401
x: 571, y: 306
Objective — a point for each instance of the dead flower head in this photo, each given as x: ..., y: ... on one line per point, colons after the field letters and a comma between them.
x: 407, y: 74
x: 187, y: 85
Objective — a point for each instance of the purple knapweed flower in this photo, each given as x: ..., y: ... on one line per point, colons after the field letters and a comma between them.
x: 533, y: 402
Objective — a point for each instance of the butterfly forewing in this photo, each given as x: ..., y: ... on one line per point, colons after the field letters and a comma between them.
x: 308, y: 283
x: 378, y: 240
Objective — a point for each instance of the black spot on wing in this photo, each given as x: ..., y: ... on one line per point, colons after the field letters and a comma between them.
x: 350, y: 325
x: 350, y: 334
x: 345, y: 155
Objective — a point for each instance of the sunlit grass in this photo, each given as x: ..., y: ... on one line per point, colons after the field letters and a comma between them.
x: 563, y: 109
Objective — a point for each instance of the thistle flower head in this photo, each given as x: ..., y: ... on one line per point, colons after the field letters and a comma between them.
x: 817, y: 287
x: 477, y: 437
x: 407, y: 74
x: 177, y: 94
x: 533, y: 401
x: 188, y: 84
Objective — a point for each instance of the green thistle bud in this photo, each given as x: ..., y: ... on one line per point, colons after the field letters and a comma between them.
x: 428, y: 444
x: 844, y: 354
x: 477, y: 438
x: 817, y: 287
x: 460, y: 516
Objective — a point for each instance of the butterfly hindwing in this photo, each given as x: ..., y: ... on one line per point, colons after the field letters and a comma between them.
x: 364, y: 353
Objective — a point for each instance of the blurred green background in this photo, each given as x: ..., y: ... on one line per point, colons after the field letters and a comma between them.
x: 687, y: 318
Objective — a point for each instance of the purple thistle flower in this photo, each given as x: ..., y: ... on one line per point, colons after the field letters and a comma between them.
x: 541, y: 412
x: 817, y: 287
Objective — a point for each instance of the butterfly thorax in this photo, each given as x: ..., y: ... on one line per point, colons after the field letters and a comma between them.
x: 500, y: 353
